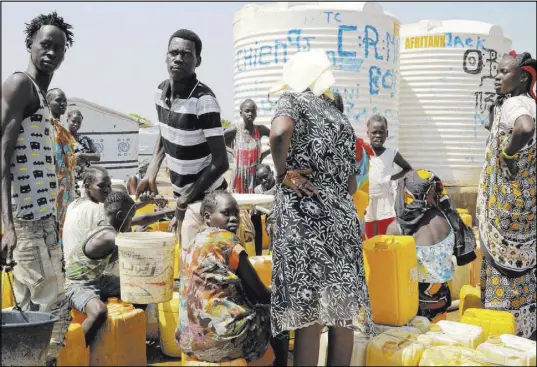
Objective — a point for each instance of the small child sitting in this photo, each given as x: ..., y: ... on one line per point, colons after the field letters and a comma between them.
x: 224, y: 307
x: 87, y: 282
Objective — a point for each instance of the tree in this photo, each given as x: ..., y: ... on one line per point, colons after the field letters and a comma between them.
x: 144, y: 122
x: 226, y: 124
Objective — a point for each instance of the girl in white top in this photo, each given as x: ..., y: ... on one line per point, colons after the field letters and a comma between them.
x: 381, y: 212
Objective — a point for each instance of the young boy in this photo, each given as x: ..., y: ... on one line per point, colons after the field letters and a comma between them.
x: 87, y: 281
x: 266, y: 184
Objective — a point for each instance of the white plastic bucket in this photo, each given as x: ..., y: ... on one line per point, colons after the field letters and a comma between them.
x: 146, y: 266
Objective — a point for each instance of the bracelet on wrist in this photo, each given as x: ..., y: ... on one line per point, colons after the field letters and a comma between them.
x: 280, y: 178
x: 507, y: 156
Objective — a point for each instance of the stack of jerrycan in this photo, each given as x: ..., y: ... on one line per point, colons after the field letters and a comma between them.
x: 452, y: 356
x: 121, y: 340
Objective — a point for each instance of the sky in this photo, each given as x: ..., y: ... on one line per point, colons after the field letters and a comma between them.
x: 118, y: 58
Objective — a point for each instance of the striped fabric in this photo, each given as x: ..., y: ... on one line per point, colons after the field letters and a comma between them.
x: 185, y: 124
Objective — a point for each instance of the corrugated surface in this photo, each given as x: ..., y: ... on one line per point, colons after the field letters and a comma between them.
x: 115, y: 136
x: 447, y: 76
x: 360, y: 38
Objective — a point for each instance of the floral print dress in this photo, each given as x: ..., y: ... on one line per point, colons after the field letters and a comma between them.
x: 318, y: 270
x: 65, y: 172
x: 217, y: 322
x: 506, y: 211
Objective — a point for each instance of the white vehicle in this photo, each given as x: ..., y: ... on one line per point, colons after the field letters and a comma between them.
x: 115, y: 136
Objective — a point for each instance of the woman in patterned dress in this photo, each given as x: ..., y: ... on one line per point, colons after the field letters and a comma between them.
x: 65, y: 159
x: 506, y: 197
x: 85, y: 150
x: 247, y: 145
x: 318, y: 274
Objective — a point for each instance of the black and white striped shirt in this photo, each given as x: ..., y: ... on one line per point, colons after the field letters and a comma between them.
x: 185, y: 124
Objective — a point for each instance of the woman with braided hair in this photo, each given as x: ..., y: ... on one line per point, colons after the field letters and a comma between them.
x: 506, y: 201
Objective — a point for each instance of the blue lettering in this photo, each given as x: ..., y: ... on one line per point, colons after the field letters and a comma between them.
x: 469, y: 42
x: 239, y: 52
x: 336, y: 17
x: 308, y: 46
x: 359, y: 114
x: 449, y: 42
x: 327, y: 16
x: 387, y: 80
x: 277, y: 45
x: 368, y: 41
x: 341, y: 29
x: 390, y: 42
x: 262, y: 53
x: 480, y: 43
x: 374, y: 80
x: 458, y: 42
x: 248, y: 57
x: 297, y: 33
x: 479, y: 120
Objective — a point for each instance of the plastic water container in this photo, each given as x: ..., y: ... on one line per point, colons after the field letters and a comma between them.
x: 469, y: 336
x: 470, y: 297
x: 421, y: 323
x: 265, y: 236
x: 7, y: 295
x: 359, y: 349
x: 121, y: 340
x: 361, y: 201
x: 168, y: 316
x: 263, y: 267
x: 393, y: 279
x: 466, y: 219
x: 475, y: 267
x: 461, y: 277
x: 75, y: 352
x: 452, y: 356
x: 396, y: 347
x: 493, y: 322
x: 383, y: 328
x: 509, y: 350
x: 146, y: 265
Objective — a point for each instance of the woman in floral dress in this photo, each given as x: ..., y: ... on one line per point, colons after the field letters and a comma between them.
x: 506, y: 198
x: 318, y: 274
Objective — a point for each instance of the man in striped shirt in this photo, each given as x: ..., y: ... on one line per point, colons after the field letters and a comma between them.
x: 191, y: 135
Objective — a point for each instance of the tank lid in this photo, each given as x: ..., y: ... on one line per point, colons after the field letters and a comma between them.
x: 461, y: 26
x: 370, y: 7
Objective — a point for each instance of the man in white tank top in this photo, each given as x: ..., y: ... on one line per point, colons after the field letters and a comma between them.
x: 29, y: 183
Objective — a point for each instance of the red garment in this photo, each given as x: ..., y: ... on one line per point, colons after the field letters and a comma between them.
x: 382, y: 227
x: 247, y: 157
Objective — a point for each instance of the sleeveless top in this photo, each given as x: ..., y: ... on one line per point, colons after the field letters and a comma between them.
x: 247, y: 157
x: 79, y: 266
x: 33, y: 173
x: 434, y: 262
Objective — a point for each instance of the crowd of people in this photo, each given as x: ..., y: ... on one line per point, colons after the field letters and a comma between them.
x: 318, y: 281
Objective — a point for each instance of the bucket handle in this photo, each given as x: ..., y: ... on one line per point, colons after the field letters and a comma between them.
x: 7, y: 269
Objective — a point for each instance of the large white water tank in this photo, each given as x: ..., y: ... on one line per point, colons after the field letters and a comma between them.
x: 447, y: 87
x: 360, y: 39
